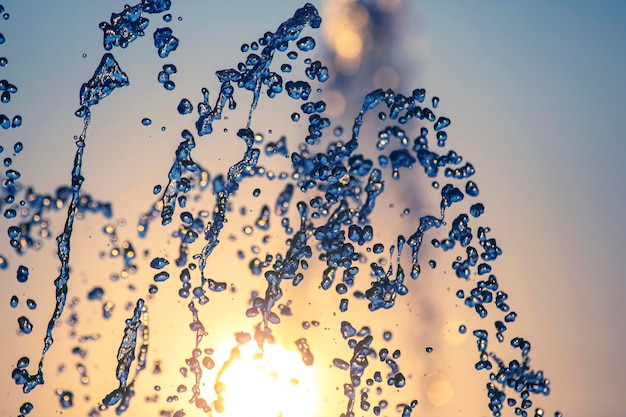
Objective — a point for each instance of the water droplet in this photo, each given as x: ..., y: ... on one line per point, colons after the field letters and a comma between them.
x: 66, y: 398
x: 185, y: 106
x: 441, y: 123
x: 22, y: 273
x: 26, y: 408
x: 165, y: 41
x: 161, y: 276
x: 159, y: 263
x: 307, y: 43
x: 95, y: 294
x: 17, y: 121
x: 25, y: 325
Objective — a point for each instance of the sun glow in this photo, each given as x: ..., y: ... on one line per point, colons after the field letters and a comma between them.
x: 271, y: 383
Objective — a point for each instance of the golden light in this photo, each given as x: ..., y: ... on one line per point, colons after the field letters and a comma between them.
x: 348, y: 44
x: 440, y: 391
x: 271, y: 383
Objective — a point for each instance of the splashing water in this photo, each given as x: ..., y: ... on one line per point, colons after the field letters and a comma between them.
x: 323, y: 222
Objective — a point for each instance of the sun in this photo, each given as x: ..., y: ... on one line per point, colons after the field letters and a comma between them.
x: 269, y: 383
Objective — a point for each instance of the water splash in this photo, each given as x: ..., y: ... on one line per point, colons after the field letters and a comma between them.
x: 107, y: 77
x: 344, y: 192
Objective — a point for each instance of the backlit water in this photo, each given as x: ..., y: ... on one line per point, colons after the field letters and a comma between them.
x: 317, y: 222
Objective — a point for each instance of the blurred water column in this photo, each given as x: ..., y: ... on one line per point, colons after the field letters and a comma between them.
x: 378, y: 44
x: 372, y: 44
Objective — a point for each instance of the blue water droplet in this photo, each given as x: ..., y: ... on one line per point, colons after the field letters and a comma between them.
x: 298, y: 89
x: 441, y: 123
x: 307, y: 43
x: 169, y: 85
x: 161, y: 276
x: 25, y: 325
x: 159, y: 263
x: 26, y: 408
x: 146, y: 122
x: 471, y: 189
x: 66, y: 399
x: 165, y: 41
x: 22, y: 273
x: 23, y: 362
x: 10, y: 213
x: 95, y: 294
x: 476, y: 210
x: 17, y: 121
x: 185, y: 106
x: 156, y: 6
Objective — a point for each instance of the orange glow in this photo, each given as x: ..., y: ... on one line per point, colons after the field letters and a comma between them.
x: 440, y: 392
x: 348, y: 44
x: 271, y: 383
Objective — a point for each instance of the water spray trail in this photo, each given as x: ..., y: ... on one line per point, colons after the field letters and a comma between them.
x: 344, y: 189
x: 106, y: 78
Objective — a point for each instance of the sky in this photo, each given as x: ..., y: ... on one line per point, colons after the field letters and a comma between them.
x: 535, y: 93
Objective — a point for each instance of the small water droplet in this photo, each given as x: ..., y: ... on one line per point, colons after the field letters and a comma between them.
x: 25, y: 325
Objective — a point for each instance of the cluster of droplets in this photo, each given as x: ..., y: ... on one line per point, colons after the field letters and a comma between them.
x: 33, y: 224
x: 107, y: 77
x: 126, y: 26
x: 164, y: 77
x: 360, y: 342
x: 9, y: 186
x: 343, y: 187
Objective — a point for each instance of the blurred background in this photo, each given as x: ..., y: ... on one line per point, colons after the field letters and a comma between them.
x: 535, y: 94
